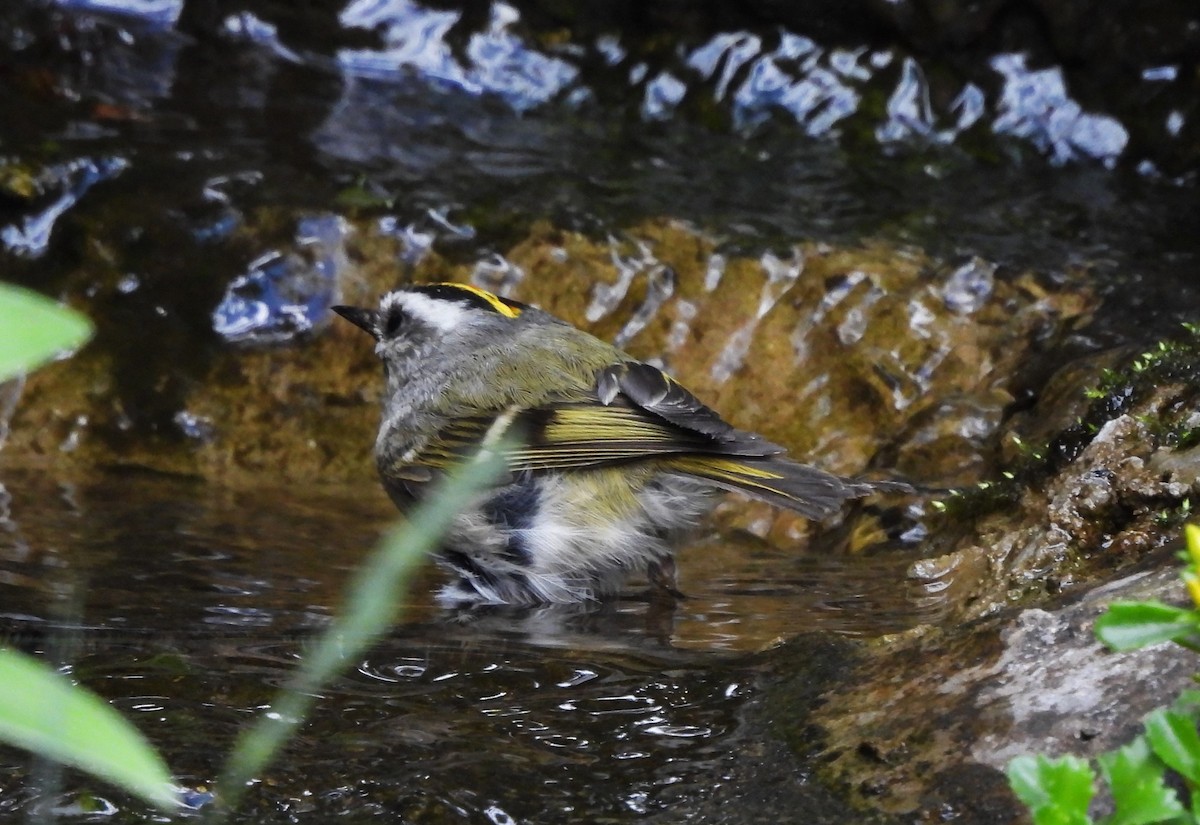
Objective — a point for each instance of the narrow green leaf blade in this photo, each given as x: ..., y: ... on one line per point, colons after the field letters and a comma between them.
x: 42, y: 711
x: 1135, y: 776
x: 371, y: 606
x: 1176, y: 742
x: 1056, y: 791
x: 1131, y: 625
x: 35, y: 329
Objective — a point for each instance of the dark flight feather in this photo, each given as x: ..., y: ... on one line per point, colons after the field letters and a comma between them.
x: 652, y: 390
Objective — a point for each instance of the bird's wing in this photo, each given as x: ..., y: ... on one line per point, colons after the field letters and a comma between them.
x: 652, y: 390
x: 636, y: 412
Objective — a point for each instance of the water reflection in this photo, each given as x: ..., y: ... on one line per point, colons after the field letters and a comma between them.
x: 157, y: 554
x: 286, y: 294
x: 417, y: 40
x: 160, y: 12
x: 30, y: 237
x: 259, y: 95
x: 1036, y: 105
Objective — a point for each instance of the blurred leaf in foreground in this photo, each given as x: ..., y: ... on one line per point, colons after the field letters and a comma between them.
x: 34, y: 330
x: 370, y: 608
x: 43, y: 711
x: 1175, y: 740
x: 1132, y: 625
x: 1056, y: 791
x: 1136, y: 778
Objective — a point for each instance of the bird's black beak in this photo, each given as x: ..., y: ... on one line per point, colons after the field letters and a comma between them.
x: 365, y: 319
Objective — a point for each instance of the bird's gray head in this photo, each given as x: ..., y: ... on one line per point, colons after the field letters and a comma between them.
x: 413, y: 321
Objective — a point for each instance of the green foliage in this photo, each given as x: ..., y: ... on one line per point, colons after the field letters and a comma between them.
x: 40, y: 709
x: 35, y: 330
x: 1132, y: 625
x: 1140, y: 795
x: 43, y: 711
x: 1058, y: 791
x: 1173, y: 737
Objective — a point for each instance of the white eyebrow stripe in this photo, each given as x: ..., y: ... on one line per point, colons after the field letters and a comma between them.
x: 438, y: 313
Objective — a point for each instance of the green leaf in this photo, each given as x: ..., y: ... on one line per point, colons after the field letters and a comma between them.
x: 1130, y: 625
x: 42, y: 711
x: 371, y: 606
x: 1188, y: 703
x: 35, y: 330
x: 1176, y: 742
x: 1056, y: 791
x: 1135, y: 776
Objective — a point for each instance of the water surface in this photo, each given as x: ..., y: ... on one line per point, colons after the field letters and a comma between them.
x: 187, y: 605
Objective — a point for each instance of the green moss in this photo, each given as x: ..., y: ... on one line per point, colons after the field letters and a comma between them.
x: 1168, y: 370
x: 18, y: 182
x: 1158, y: 386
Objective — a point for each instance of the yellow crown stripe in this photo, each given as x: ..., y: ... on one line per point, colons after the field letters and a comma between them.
x: 494, y: 301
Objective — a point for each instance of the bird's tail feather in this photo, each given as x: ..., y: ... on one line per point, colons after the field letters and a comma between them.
x: 811, y: 492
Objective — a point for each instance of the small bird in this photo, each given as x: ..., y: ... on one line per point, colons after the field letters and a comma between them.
x: 615, y: 459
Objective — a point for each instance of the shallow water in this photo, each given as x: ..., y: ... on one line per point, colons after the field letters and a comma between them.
x: 187, y: 605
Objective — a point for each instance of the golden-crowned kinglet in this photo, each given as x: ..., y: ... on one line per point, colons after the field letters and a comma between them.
x: 617, y: 459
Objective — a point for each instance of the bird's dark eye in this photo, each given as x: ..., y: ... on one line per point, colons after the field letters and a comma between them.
x: 393, y: 322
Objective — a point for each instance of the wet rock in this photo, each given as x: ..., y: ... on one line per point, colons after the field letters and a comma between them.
x: 851, y: 357
x: 66, y: 183
x: 870, y: 340
x: 925, y: 723
x: 1113, y: 484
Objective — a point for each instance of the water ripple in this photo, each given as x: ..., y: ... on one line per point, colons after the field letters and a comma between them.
x: 157, y: 12
x: 284, y: 295
x: 1035, y: 105
x: 416, y: 40
x: 31, y: 237
x: 757, y: 76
